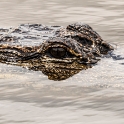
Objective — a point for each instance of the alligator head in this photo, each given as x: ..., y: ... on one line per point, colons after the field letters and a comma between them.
x: 69, y: 51
x: 58, y: 58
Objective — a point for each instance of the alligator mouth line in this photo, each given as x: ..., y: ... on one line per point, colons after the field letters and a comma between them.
x: 67, y: 68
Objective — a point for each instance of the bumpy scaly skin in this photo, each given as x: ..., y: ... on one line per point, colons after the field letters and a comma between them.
x: 77, y: 47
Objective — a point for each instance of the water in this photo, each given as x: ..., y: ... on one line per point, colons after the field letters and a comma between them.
x: 94, y: 96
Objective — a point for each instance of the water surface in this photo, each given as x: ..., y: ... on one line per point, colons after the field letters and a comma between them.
x: 93, y: 96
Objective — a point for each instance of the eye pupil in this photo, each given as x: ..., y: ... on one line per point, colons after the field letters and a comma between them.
x: 58, y: 52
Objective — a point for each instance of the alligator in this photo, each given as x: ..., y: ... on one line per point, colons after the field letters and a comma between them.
x: 59, y: 52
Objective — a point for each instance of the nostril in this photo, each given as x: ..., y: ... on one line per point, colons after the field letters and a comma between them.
x: 105, y: 48
x: 85, y: 59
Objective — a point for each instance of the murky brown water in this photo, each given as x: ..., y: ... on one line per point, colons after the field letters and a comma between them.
x: 94, y: 96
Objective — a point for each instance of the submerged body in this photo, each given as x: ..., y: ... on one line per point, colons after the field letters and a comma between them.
x: 56, y: 51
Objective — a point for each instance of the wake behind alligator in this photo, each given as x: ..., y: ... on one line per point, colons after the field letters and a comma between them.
x: 56, y: 51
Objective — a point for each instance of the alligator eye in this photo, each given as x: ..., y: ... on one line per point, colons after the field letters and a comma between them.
x: 57, y: 52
